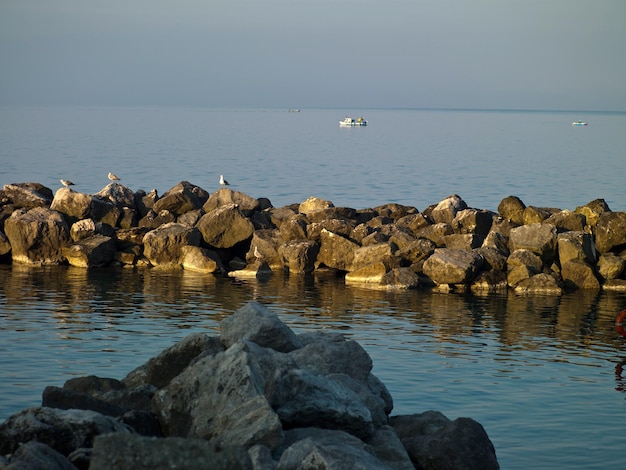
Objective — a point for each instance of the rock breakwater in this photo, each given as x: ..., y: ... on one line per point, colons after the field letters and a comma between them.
x: 258, y: 396
x: 447, y: 246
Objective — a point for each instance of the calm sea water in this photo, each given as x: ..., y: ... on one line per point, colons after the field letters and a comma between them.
x: 542, y: 374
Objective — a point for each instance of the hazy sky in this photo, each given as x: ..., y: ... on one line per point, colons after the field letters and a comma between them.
x: 522, y: 54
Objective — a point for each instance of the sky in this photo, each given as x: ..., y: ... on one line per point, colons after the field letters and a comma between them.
x: 468, y: 54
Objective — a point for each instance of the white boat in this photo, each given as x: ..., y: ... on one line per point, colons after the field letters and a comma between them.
x: 579, y: 123
x: 349, y: 122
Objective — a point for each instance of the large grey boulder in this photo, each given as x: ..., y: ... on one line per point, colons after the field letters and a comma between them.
x: 576, y: 246
x: 161, y: 369
x: 63, y: 430
x: 452, y: 266
x: 313, y: 204
x: 299, y: 256
x: 579, y: 275
x: 254, y: 322
x: 436, y: 443
x: 226, y: 196
x: 195, y: 258
x: 163, y: 246
x: 37, y: 236
x: 118, y: 194
x: 611, y: 266
x: 512, y: 208
x: 220, y: 398
x: 225, y: 227
x: 120, y: 452
x: 445, y: 211
x: 36, y: 455
x: 178, y: 200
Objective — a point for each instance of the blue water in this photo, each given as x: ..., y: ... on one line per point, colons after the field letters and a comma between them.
x: 542, y: 374
x: 413, y: 157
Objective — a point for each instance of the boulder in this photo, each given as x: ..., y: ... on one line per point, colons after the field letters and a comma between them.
x: 195, y: 258
x: 373, y: 254
x: 498, y: 241
x: 225, y: 227
x: 293, y: 228
x: 593, y: 210
x: 164, y: 246
x: 336, y: 251
x: 220, y: 398
x: 299, y: 256
x: 226, y: 197
x: 541, y: 283
x: 92, y: 252
x: 450, y: 266
x: 75, y: 206
x: 434, y: 442
x: 473, y: 221
x: 567, y: 221
x: 155, y: 220
x: 512, y: 208
x: 400, y: 278
x: 576, y: 246
x: 265, y: 247
x: 5, y: 246
x: 62, y: 430
x: 254, y: 322
x: 178, y: 200
x: 103, y: 210
x: 527, y: 258
x: 610, y: 232
x: 413, y: 222
x: 117, y: 451
x: 313, y: 204
x: 536, y: 215
x: 160, y: 370
x: 539, y: 238
x: 118, y: 194
x: 37, y: 236
x: 28, y: 195
x: 35, y: 455
x: 371, y: 273
x: 611, y: 266
x: 436, y: 233
x: 446, y: 210
x: 579, y: 275
x: 145, y: 202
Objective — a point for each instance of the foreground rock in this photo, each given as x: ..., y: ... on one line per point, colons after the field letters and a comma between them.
x: 448, y: 246
x: 258, y: 396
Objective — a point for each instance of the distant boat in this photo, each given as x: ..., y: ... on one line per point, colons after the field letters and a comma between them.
x: 579, y: 123
x: 349, y: 122
x: 294, y: 110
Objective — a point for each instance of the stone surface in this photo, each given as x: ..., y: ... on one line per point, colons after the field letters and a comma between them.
x: 451, y: 266
x: 164, y: 246
x: 225, y: 227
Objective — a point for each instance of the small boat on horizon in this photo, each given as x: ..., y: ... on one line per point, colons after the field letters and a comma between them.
x: 349, y: 122
x: 579, y: 123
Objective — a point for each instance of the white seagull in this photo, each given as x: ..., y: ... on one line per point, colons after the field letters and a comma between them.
x: 113, y: 177
x: 66, y: 183
x: 223, y: 182
x: 257, y: 253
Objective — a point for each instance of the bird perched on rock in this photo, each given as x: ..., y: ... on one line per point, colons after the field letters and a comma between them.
x: 66, y: 183
x: 223, y: 182
x: 113, y: 177
x: 257, y: 254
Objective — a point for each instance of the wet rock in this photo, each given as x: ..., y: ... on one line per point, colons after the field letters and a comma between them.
x: 92, y: 252
x: 116, y: 452
x: 541, y: 283
x: 75, y: 206
x: 434, y: 442
x: 5, y: 245
x: 195, y: 258
x: 336, y: 251
x: 579, y: 275
x: 37, y: 236
x: 28, y: 195
x: 164, y: 246
x: 225, y: 227
x: 400, y: 278
x: 299, y: 256
x: 265, y: 247
x: 450, y: 266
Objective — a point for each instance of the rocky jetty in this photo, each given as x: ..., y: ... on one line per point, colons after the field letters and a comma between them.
x: 258, y: 396
x: 448, y: 246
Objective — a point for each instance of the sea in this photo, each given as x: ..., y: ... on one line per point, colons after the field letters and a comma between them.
x: 544, y: 375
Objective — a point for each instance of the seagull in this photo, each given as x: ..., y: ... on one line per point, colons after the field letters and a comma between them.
x: 223, y: 182
x: 257, y: 253
x: 66, y: 183
x: 113, y: 177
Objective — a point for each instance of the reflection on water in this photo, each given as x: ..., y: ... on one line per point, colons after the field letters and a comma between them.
x: 543, y: 374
